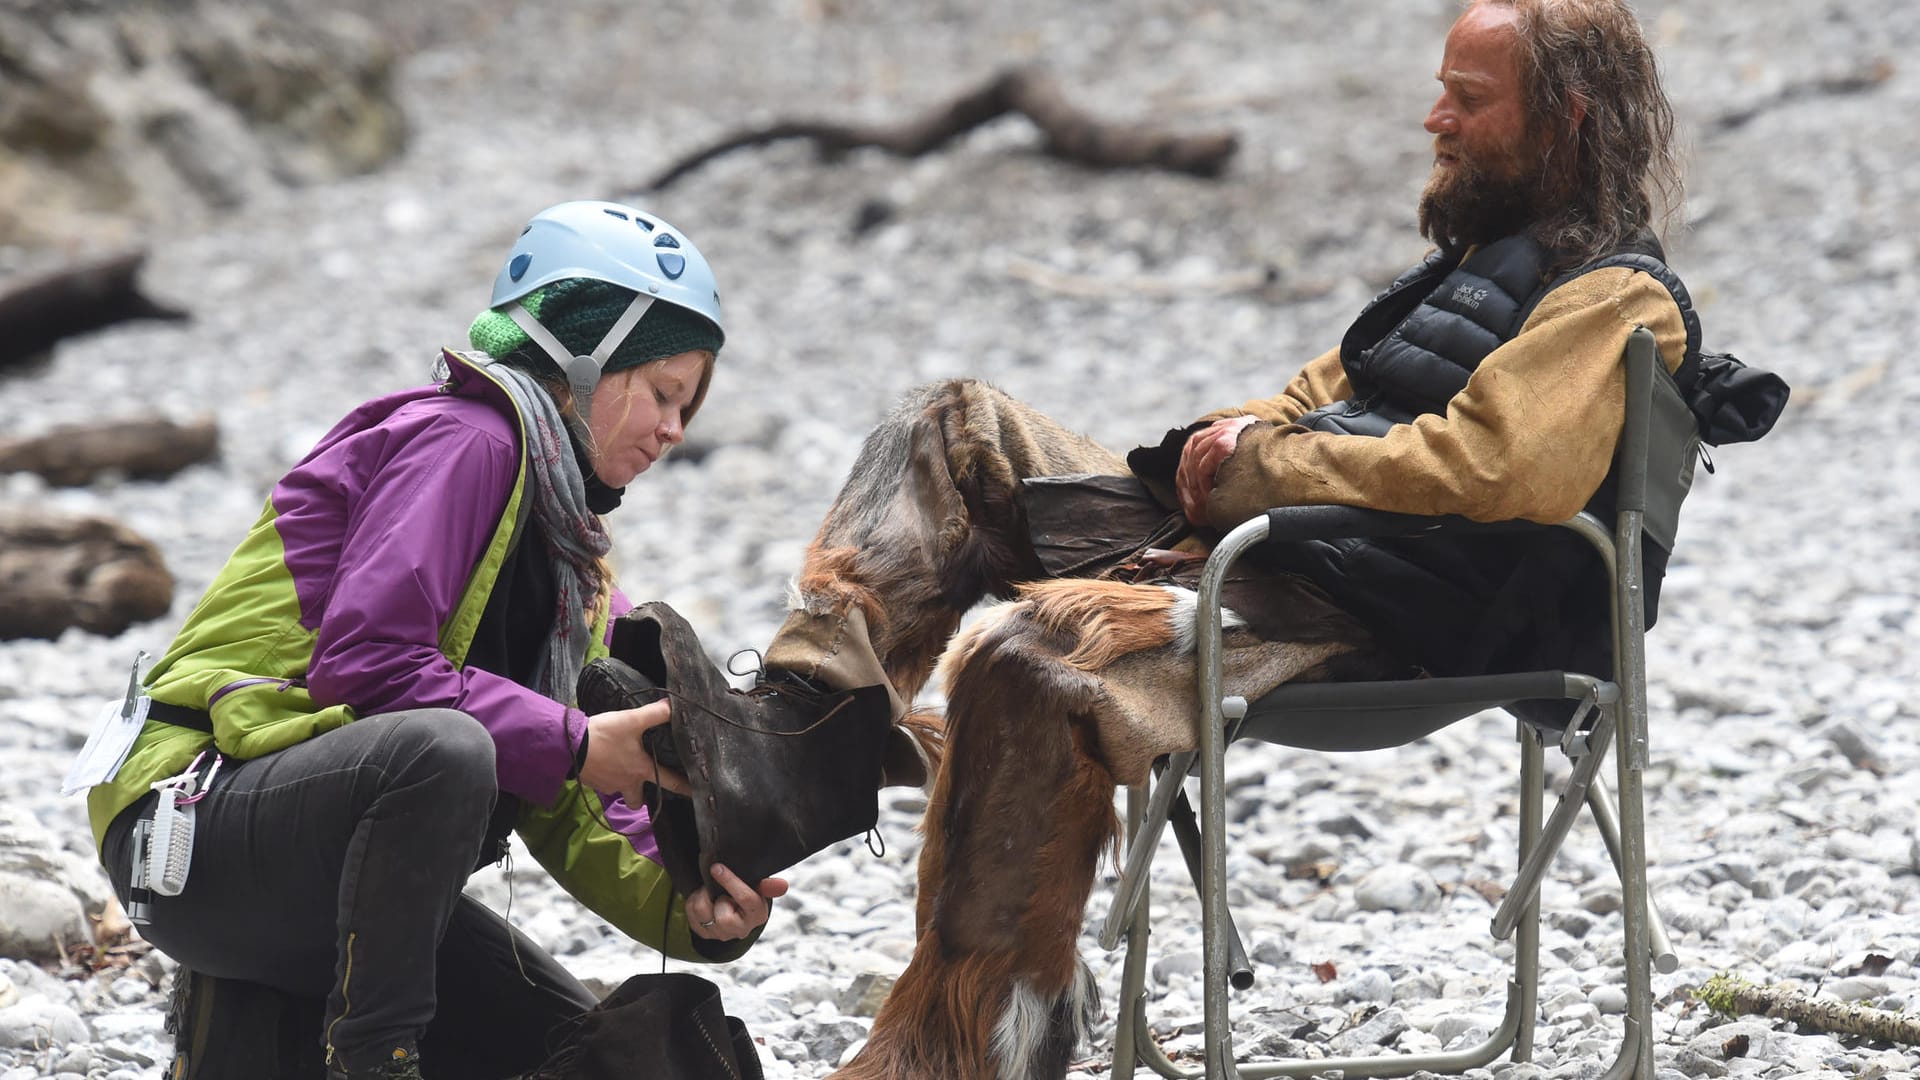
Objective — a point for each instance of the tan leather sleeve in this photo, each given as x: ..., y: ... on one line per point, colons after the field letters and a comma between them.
x: 1322, y: 382
x: 1531, y: 436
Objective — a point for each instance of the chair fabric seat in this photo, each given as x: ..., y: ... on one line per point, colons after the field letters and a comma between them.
x: 1344, y: 717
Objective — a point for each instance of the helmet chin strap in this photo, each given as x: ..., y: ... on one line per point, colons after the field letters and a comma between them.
x: 582, y: 372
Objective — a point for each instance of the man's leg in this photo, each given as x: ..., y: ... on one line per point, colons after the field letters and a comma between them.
x: 1053, y: 701
x: 330, y: 869
x: 928, y: 523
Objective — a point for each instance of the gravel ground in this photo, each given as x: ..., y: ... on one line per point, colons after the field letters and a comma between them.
x: 1783, y: 791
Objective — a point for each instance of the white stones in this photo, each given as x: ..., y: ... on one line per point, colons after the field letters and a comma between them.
x: 1368, y: 986
x: 1397, y: 887
x: 1610, y: 1000
x: 37, y: 917
x: 1857, y: 988
x: 36, y: 1022
x: 866, y: 994
x: 46, y: 891
x: 1183, y: 965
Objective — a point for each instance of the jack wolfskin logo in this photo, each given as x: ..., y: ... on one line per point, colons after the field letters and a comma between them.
x: 1469, y: 297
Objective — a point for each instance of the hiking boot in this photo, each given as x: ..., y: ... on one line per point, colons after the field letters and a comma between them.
x: 226, y: 1027
x: 776, y: 773
x: 404, y: 1064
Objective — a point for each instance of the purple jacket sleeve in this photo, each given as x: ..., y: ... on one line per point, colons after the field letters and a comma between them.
x: 421, y: 495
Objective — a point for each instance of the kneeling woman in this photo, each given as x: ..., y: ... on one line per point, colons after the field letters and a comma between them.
x: 378, y: 686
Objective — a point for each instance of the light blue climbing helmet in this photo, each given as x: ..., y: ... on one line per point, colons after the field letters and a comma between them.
x: 607, y: 242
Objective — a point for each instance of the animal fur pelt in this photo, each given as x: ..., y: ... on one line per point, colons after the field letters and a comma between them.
x: 1046, y: 694
x: 1021, y: 809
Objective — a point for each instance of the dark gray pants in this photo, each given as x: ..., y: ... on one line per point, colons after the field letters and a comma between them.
x: 333, y: 870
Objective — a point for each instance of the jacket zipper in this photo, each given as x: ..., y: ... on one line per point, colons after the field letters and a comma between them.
x: 241, y: 684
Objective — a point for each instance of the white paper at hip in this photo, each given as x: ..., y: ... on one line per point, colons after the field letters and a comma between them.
x: 112, y: 737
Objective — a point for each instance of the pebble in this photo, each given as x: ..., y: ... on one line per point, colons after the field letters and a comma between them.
x: 1397, y: 887
x: 1610, y: 1000
x: 1784, y: 749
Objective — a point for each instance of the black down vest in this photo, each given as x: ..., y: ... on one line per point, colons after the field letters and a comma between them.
x: 1468, y: 605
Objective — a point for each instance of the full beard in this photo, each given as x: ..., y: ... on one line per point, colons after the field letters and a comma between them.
x: 1469, y: 204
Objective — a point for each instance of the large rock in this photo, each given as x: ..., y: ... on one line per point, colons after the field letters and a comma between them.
x: 36, y: 1024
x: 114, y: 114
x: 49, y: 897
x: 38, y: 918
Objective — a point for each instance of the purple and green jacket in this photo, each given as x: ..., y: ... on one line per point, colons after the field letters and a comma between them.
x: 358, y: 592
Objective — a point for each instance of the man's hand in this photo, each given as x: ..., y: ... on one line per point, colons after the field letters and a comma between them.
x: 616, y: 759
x: 736, y: 914
x: 1201, y: 458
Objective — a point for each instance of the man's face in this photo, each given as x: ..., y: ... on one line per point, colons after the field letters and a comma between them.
x: 1483, y: 185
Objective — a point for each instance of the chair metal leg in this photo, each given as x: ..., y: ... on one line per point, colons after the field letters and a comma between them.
x: 1212, y: 714
x: 1156, y: 1058
x: 1600, y: 801
x: 1630, y: 1060
x: 1526, y: 949
x: 1239, y: 969
x: 1128, y: 1024
x: 1526, y: 884
x: 1213, y: 884
x: 1141, y: 845
x: 1630, y: 655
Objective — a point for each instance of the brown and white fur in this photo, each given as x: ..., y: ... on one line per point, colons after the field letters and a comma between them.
x: 1021, y: 810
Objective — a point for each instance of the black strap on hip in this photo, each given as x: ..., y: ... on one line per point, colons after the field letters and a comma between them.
x: 180, y: 716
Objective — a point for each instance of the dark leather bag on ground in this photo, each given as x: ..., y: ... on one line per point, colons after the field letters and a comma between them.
x: 663, y: 1027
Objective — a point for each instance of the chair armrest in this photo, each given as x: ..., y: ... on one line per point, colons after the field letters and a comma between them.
x: 1296, y: 523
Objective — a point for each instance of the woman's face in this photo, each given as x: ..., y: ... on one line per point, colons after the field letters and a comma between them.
x: 639, y: 414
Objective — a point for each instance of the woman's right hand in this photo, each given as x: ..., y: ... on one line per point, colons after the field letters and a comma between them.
x: 617, y: 760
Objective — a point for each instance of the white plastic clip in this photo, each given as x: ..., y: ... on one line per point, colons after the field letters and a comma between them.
x: 170, y: 848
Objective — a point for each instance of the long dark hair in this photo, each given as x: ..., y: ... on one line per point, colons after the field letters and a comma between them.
x: 1615, y: 174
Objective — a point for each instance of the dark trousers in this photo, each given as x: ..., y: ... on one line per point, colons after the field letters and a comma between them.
x: 332, y: 870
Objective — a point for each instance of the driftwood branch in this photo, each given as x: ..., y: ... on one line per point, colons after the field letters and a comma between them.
x: 1735, y: 997
x: 36, y: 313
x: 145, y: 448
x: 1070, y: 133
x: 59, y: 571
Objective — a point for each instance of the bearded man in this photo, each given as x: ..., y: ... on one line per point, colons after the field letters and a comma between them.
x: 1486, y: 382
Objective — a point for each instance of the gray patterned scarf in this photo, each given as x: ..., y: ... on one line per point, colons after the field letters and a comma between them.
x: 574, y: 534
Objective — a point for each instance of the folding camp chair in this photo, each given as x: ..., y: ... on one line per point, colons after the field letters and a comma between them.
x: 1658, y: 441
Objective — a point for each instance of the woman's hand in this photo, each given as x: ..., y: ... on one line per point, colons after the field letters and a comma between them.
x: 736, y: 914
x: 616, y: 759
x: 1201, y: 458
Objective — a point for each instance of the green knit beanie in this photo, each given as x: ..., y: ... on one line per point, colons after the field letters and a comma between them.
x: 580, y: 311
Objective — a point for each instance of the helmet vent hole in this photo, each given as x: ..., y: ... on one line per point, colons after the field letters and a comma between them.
x: 614, y: 213
x: 644, y: 223
x: 665, y: 240
x: 518, y: 267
